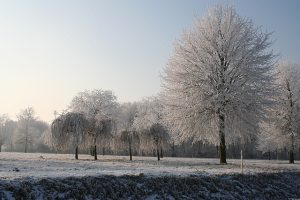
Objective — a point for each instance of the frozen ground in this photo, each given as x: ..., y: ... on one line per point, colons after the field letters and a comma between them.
x: 32, y: 176
x: 19, y: 165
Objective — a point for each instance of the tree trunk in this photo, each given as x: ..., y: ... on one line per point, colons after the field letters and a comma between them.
x: 130, y: 151
x: 157, y: 151
x: 291, y: 157
x: 95, y: 152
x: 161, y: 152
x: 76, y: 153
x: 92, y: 151
x: 103, y: 151
x: 25, y: 150
x: 269, y: 155
x: 291, y: 153
x: 222, y: 138
x: 26, y: 137
x: 0, y: 147
x: 173, y: 149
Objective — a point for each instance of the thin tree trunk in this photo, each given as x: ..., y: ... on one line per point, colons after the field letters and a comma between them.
x: 157, y: 151
x: 173, y: 149
x: 222, y: 138
x: 76, y: 153
x: 95, y: 152
x: 161, y: 152
x: 25, y: 146
x: 130, y: 151
x: 92, y: 150
x: 26, y: 137
x: 269, y: 155
x: 291, y: 157
x: 0, y: 147
x: 291, y: 153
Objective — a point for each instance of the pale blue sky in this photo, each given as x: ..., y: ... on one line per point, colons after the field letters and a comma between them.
x: 51, y: 50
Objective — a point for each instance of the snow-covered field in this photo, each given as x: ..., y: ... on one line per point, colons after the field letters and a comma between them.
x: 39, y: 175
x: 19, y: 165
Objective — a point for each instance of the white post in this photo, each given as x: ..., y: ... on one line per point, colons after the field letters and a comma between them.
x: 242, y: 164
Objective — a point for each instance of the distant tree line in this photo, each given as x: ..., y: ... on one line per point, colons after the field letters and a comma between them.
x: 26, y: 134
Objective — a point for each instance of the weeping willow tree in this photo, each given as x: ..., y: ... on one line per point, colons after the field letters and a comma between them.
x: 68, y: 129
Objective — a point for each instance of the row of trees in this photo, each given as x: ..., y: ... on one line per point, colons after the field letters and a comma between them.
x: 95, y: 118
x: 138, y: 128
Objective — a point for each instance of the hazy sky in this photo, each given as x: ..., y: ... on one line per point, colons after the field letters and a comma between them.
x: 51, y: 50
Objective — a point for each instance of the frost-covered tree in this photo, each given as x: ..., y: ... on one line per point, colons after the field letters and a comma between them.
x: 132, y: 139
x: 26, y: 118
x: 99, y: 107
x: 99, y: 133
x: 270, y: 138
x: 37, y: 131
x: 125, y: 125
x: 219, y: 76
x: 10, y: 129
x: 287, y: 113
x: 3, y: 130
x: 95, y: 103
x: 68, y: 129
x: 150, y: 117
x: 159, y: 135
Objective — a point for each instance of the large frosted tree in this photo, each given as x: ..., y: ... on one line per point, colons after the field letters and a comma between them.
x: 218, y: 80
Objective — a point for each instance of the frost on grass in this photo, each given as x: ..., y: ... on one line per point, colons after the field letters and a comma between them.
x: 259, y: 186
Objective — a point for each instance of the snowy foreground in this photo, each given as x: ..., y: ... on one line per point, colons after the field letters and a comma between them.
x: 60, y: 176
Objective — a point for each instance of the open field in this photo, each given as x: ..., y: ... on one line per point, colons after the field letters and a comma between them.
x: 61, y: 176
x: 35, y: 165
